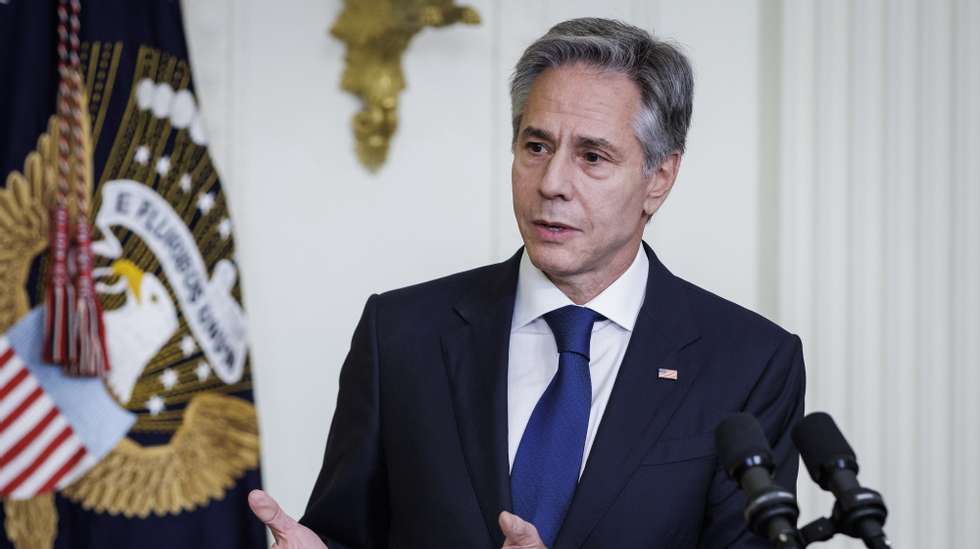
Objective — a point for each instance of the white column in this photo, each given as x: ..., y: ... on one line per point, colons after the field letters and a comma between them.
x: 965, y: 490
x: 879, y: 193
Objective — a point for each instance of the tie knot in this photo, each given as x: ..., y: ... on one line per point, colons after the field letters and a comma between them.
x: 572, y: 326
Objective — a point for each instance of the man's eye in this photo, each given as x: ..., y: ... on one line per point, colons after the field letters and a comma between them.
x: 535, y: 147
x: 592, y: 158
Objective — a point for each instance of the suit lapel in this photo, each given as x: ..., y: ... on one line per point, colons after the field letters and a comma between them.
x: 476, y: 356
x: 641, y: 403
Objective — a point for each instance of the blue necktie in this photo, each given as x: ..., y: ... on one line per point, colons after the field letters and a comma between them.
x: 549, y: 457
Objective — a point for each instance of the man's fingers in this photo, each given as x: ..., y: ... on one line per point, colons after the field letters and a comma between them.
x: 520, y: 534
x: 269, y: 512
x: 288, y: 533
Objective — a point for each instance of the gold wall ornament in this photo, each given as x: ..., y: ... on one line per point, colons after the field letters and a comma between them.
x: 376, y: 33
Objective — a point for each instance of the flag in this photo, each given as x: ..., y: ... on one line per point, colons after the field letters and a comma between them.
x: 39, y: 450
x: 53, y: 428
x: 162, y: 450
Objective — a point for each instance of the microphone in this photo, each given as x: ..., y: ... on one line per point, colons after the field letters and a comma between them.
x: 859, y: 512
x: 743, y: 451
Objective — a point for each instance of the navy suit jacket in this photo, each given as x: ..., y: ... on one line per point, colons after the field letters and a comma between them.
x: 417, y: 452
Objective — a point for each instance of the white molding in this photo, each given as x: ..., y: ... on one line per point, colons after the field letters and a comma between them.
x: 935, y: 369
x: 965, y: 493
x: 879, y: 244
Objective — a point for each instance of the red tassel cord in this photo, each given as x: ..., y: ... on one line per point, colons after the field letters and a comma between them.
x: 89, y: 334
x: 61, y: 293
x: 74, y: 328
x: 87, y: 354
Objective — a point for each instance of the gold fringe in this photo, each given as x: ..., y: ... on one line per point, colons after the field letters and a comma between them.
x: 217, y: 443
x: 31, y: 523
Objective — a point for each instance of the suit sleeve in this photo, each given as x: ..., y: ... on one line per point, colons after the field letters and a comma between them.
x: 777, y: 402
x: 348, y: 508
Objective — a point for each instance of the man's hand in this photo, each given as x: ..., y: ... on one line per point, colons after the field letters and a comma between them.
x: 288, y: 533
x: 520, y: 534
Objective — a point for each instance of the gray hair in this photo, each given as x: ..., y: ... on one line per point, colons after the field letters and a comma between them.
x: 659, y: 69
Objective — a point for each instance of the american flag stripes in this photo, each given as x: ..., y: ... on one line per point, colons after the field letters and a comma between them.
x: 39, y: 450
x: 666, y: 373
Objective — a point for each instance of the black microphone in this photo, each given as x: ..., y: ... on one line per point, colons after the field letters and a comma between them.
x: 859, y: 512
x: 743, y: 451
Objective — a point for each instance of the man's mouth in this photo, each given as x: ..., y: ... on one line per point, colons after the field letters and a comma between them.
x: 553, y: 231
x: 553, y: 226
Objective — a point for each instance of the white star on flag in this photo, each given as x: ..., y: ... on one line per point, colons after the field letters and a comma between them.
x: 163, y: 166
x: 187, y: 346
x: 203, y: 371
x: 168, y: 379
x: 205, y: 202
x: 142, y: 155
x: 224, y: 227
x: 155, y: 405
x: 185, y: 183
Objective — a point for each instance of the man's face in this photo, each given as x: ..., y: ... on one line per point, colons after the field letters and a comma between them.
x: 580, y: 194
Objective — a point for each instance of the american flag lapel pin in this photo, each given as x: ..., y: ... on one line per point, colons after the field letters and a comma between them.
x: 666, y: 373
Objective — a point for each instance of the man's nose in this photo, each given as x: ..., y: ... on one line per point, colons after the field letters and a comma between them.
x: 557, y: 180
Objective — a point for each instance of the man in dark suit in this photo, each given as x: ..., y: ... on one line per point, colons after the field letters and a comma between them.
x: 567, y: 397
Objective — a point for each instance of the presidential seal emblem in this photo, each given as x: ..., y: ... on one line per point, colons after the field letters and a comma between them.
x: 165, y: 274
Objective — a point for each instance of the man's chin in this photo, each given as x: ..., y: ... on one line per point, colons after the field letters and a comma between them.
x: 553, y: 260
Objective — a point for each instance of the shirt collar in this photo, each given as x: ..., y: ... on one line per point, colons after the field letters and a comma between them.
x: 620, y: 302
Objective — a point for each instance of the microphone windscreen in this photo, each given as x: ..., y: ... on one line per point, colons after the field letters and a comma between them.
x: 820, y: 443
x: 739, y: 437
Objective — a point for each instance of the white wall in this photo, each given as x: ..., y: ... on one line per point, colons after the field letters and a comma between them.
x: 832, y: 181
x: 879, y: 263
x: 317, y: 234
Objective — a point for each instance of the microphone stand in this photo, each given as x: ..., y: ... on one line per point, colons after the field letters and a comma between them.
x: 858, y: 513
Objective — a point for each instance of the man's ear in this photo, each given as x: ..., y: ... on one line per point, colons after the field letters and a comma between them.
x: 660, y: 182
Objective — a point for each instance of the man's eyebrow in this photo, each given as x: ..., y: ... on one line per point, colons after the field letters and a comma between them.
x: 531, y: 131
x: 587, y: 142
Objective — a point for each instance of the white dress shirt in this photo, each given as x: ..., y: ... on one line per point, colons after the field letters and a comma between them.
x: 533, y: 358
